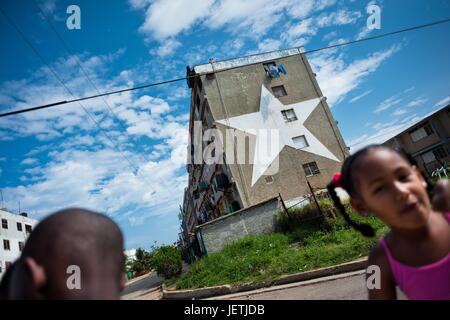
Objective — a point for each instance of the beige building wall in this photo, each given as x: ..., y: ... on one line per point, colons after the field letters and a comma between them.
x: 239, y: 90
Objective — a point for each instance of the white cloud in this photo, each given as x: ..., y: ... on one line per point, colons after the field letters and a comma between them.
x: 417, y: 102
x: 29, y: 161
x: 337, y: 18
x: 337, y: 79
x: 139, y: 4
x: 363, y: 33
x: 303, y: 8
x: 269, y: 45
x: 304, y: 28
x: 388, y: 103
x: 330, y: 35
x: 399, y: 112
x: 362, y: 95
x: 167, y: 48
x: 85, y: 169
x: 442, y: 102
x: 252, y: 17
x: 384, y: 132
x: 168, y: 18
x: 165, y: 19
x: 98, y: 180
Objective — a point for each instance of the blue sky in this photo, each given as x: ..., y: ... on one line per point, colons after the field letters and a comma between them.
x: 57, y: 157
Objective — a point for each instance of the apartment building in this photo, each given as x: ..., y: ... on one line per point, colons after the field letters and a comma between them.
x: 427, y: 140
x: 241, y: 108
x: 14, y: 231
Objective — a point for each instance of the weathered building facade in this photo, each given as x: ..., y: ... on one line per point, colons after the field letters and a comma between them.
x: 268, y: 104
x: 427, y: 140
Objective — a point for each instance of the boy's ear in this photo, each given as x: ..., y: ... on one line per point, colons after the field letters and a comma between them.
x: 359, y: 206
x: 123, y: 280
x: 36, y: 272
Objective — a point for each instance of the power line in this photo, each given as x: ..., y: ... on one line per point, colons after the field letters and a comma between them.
x: 65, y: 86
x: 77, y: 60
x: 223, y: 70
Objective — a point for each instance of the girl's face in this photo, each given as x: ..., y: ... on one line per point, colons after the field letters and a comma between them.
x: 389, y: 187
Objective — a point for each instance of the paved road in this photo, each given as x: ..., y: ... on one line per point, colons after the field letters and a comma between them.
x: 350, y: 286
x: 146, y: 287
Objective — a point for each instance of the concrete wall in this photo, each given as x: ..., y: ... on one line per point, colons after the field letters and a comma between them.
x: 254, y: 220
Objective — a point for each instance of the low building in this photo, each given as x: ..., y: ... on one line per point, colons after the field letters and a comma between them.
x: 14, y: 231
x: 130, y: 254
x: 427, y: 140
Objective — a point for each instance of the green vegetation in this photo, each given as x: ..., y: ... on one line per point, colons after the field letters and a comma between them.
x: 140, y: 265
x: 304, y: 240
x: 167, y: 261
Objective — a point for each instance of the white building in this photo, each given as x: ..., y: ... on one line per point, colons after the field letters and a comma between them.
x: 131, y: 254
x: 14, y: 231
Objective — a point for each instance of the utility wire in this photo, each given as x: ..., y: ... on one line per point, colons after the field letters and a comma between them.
x: 67, y: 88
x: 225, y: 69
x: 78, y: 62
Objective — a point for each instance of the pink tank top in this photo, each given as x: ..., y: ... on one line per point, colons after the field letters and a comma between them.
x: 429, y: 282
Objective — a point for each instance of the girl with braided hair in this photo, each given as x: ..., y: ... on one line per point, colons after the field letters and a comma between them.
x: 415, y: 254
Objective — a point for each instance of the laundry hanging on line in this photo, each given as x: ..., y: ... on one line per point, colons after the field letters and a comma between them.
x: 282, y: 69
x: 274, y: 71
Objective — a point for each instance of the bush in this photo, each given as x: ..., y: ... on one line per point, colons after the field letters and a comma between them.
x: 167, y: 261
x: 307, y: 217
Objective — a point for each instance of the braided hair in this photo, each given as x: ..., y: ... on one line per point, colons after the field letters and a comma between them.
x: 345, y: 180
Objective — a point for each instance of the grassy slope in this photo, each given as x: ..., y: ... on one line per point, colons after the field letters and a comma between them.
x: 265, y: 258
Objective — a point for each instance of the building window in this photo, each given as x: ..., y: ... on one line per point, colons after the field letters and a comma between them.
x: 4, y: 224
x: 439, y: 153
x: 6, y: 245
x: 269, y: 179
x: 428, y: 157
x: 279, y: 91
x: 311, y: 169
x: 289, y: 115
x: 421, y: 132
x: 268, y: 65
x: 19, y: 226
x: 300, y: 142
x: 28, y: 228
x: 21, y: 244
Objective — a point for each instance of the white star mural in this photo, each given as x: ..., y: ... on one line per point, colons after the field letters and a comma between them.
x: 270, y: 117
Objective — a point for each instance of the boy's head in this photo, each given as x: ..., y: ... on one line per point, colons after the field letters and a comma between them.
x: 383, y: 181
x: 72, y: 254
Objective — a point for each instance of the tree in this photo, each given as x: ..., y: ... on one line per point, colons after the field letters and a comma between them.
x: 167, y: 261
